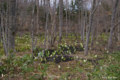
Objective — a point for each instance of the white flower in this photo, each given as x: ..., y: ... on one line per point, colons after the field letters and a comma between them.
x: 76, y: 56
x: 53, y: 53
x: 65, y: 45
x: 50, y: 55
x: 36, y: 58
x: 2, y: 75
x: 85, y: 60
x: 56, y: 55
x: 65, y: 78
x: 107, y: 51
x: 95, y: 55
x: 62, y: 57
x: 59, y: 66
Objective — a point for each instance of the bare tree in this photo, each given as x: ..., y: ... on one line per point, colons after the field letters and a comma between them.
x: 112, y: 24
x: 90, y: 26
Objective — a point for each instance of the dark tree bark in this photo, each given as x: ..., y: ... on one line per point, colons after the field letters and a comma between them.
x: 12, y: 26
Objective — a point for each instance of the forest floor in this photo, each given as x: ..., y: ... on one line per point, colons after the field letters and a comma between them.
x: 64, y: 61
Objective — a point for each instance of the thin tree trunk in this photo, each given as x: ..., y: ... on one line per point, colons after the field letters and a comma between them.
x: 41, y: 2
x: 3, y: 35
x: 55, y: 18
x: 97, y: 23
x: 6, y: 26
x: 82, y: 38
x: 32, y: 29
x: 0, y: 25
x: 0, y: 32
x: 119, y: 24
x: 66, y: 18
x: 60, y: 19
x: 44, y: 4
x: 46, y: 26
x: 85, y: 25
x: 93, y: 34
x: 79, y: 19
x: 90, y: 27
x: 69, y: 22
x: 112, y: 24
x: 35, y: 42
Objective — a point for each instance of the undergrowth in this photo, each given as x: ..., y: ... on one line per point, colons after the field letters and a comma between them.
x: 108, y: 68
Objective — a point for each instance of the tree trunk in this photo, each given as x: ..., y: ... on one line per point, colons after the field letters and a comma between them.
x: 82, y: 27
x: 112, y: 24
x: 66, y: 18
x: 90, y: 27
x: 85, y: 22
x: 3, y: 35
x: 46, y: 26
x: 97, y: 23
x: 119, y: 24
x: 41, y: 2
x: 60, y: 19
x: 0, y: 31
x: 55, y: 18
x: 12, y: 26
x: 93, y: 34
x: 32, y: 28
